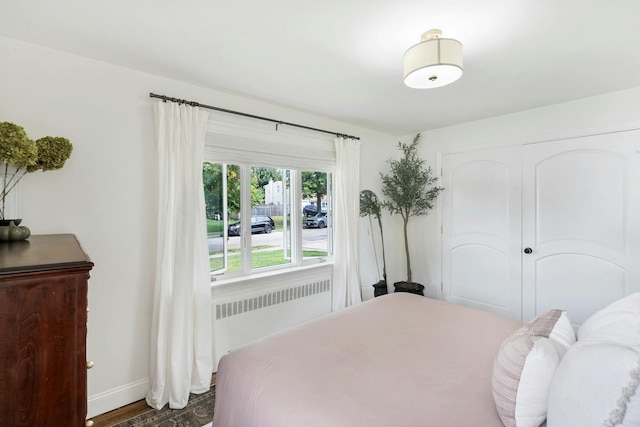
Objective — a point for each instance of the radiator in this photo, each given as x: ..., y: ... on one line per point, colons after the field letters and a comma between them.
x: 260, y: 307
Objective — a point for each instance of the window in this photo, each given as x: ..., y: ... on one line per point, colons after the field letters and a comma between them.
x: 316, y: 191
x: 257, y: 180
x: 256, y: 221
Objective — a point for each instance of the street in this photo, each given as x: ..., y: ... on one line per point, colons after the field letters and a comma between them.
x: 312, y: 238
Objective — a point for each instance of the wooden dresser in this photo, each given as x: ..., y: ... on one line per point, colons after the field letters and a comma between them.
x: 43, y: 331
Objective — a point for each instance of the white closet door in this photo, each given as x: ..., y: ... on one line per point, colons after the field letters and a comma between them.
x: 482, y: 230
x: 581, y: 222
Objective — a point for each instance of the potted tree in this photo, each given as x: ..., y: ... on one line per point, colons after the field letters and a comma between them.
x: 20, y: 155
x: 411, y: 190
x: 370, y: 205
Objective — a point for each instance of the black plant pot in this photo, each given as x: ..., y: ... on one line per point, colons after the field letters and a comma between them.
x: 7, y: 222
x: 411, y: 287
x: 380, y: 288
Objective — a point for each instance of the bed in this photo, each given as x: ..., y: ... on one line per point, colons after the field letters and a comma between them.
x: 405, y: 360
x: 397, y: 360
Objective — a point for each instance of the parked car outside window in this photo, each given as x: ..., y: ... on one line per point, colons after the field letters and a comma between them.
x: 311, y: 210
x: 318, y: 220
x: 259, y: 224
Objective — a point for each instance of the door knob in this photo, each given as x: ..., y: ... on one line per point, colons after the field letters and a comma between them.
x: 528, y: 250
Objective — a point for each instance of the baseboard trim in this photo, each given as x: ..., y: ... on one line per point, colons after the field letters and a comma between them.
x: 109, y: 400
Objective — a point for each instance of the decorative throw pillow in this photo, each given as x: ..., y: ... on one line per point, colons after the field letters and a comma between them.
x: 525, y: 366
x: 597, y: 382
x: 556, y: 325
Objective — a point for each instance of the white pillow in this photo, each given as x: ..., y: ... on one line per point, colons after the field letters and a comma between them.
x: 618, y: 322
x: 596, y: 384
x: 525, y: 366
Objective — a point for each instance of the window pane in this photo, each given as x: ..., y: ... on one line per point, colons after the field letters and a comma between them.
x: 270, y: 224
x: 222, y: 201
x: 234, y: 255
x: 212, y: 177
x: 317, y: 223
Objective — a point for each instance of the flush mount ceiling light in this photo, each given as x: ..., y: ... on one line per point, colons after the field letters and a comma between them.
x: 433, y: 62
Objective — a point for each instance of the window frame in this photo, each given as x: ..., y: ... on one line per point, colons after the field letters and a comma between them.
x: 250, y: 144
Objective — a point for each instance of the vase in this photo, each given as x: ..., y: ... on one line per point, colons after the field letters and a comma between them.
x: 13, y: 233
x: 7, y: 222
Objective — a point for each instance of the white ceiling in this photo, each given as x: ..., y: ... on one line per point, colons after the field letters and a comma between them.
x: 343, y: 58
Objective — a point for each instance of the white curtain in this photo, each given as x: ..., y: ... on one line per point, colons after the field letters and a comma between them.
x: 181, y: 359
x: 346, y: 273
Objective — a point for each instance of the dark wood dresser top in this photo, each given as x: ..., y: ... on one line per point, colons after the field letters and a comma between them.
x: 42, y: 252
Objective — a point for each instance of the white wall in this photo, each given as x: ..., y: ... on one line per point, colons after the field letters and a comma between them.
x: 106, y: 193
x: 616, y: 110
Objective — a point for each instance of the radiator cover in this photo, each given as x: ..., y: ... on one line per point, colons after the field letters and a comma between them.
x: 258, y: 307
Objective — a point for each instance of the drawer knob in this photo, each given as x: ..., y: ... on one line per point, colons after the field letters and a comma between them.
x: 89, y: 423
x: 90, y: 364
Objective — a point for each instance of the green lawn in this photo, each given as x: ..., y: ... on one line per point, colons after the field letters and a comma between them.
x: 263, y: 258
x: 214, y: 226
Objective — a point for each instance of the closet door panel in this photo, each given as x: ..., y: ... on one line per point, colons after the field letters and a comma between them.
x: 580, y: 206
x: 482, y: 229
x: 580, y: 197
x: 480, y: 274
x: 575, y: 282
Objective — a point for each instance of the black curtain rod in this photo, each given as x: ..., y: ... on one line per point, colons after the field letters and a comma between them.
x: 238, y: 113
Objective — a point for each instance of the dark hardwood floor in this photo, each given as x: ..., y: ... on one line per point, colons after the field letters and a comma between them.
x: 127, y: 412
